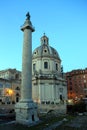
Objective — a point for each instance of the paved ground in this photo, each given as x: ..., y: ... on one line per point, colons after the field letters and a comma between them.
x: 78, y: 122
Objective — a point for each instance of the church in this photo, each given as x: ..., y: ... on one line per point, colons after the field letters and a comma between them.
x: 49, y: 88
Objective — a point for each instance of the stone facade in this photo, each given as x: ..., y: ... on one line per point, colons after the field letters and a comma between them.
x: 10, y: 74
x: 48, y: 84
x: 10, y: 85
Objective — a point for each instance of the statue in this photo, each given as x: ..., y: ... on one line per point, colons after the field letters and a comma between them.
x: 28, y: 15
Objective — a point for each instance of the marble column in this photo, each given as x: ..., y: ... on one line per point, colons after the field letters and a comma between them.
x: 26, y: 109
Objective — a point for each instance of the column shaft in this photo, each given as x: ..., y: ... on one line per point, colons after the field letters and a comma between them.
x: 26, y: 88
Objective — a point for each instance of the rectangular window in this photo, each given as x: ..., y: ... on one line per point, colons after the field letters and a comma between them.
x: 56, y: 66
x: 84, y: 85
x: 0, y: 92
x: 46, y: 65
x: 34, y: 67
x: 1, y: 85
x: 61, y: 90
x: 70, y: 88
x: 7, y: 85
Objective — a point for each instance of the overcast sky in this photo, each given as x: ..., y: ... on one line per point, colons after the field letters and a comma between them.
x: 63, y: 21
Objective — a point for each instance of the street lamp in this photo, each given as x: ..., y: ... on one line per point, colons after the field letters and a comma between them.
x: 8, y: 92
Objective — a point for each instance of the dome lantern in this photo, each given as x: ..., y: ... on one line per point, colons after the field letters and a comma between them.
x: 44, y: 40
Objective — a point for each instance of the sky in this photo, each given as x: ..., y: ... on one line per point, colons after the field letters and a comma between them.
x: 64, y: 22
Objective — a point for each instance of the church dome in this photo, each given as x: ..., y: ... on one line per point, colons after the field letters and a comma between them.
x: 44, y: 50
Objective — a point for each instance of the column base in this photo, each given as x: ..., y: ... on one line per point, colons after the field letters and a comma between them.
x: 26, y: 112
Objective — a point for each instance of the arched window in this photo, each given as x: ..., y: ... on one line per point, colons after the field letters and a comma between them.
x: 61, y: 98
x: 45, y: 65
x: 17, y: 95
x: 17, y: 99
x: 17, y: 88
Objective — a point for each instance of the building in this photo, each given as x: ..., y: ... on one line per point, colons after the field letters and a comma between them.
x: 10, y: 74
x: 49, y: 88
x: 10, y: 80
x: 77, y: 84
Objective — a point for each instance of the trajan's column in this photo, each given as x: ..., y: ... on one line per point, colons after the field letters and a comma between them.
x: 26, y: 109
